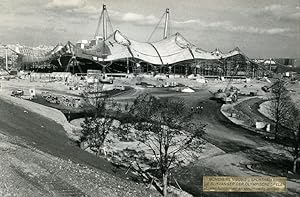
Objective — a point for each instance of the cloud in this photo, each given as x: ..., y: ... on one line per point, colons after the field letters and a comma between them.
x: 88, y: 10
x: 133, y: 18
x: 258, y: 30
x: 140, y: 19
x: 274, y: 8
x: 294, y: 16
x: 230, y: 27
x: 65, y: 4
x: 73, y: 11
x: 278, y: 12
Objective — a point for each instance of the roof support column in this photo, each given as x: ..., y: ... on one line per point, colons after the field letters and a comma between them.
x: 6, y: 59
x: 157, y: 53
x: 127, y: 61
x: 104, y: 23
x: 166, y: 24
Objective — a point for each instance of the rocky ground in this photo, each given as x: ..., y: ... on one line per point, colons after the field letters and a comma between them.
x: 126, y: 149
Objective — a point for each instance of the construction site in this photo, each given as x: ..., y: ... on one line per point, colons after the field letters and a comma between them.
x: 46, y: 94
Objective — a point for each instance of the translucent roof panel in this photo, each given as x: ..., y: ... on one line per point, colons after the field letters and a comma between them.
x: 173, y: 49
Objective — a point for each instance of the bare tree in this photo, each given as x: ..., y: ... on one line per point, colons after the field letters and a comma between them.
x: 96, y: 128
x: 296, y: 148
x: 168, y: 130
x: 93, y: 96
x: 294, y: 137
x: 125, y: 129
x: 281, y: 108
x: 286, y: 117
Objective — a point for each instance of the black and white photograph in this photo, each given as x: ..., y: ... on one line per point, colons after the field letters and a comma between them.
x: 140, y: 98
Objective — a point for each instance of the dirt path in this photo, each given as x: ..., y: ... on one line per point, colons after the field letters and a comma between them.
x: 249, y: 108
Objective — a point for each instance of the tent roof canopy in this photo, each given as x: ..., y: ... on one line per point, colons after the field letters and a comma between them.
x: 171, y: 50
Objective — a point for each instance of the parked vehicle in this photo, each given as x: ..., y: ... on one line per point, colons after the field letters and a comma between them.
x: 17, y: 93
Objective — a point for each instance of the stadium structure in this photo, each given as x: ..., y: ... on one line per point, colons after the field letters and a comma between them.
x: 118, y: 54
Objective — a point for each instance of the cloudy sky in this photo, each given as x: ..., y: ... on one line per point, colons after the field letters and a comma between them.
x: 261, y: 28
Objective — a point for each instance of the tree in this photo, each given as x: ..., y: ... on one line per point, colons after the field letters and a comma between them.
x: 296, y: 148
x: 281, y: 108
x: 93, y: 96
x: 125, y: 129
x: 286, y: 117
x: 96, y: 128
x: 294, y: 141
x: 168, y: 130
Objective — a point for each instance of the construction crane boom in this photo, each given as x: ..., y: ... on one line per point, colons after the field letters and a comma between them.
x: 231, y: 78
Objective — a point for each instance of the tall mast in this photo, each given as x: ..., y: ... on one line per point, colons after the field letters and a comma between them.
x: 166, y: 24
x: 6, y: 58
x: 104, y: 23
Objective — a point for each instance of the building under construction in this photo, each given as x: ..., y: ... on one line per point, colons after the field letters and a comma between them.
x: 116, y: 53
